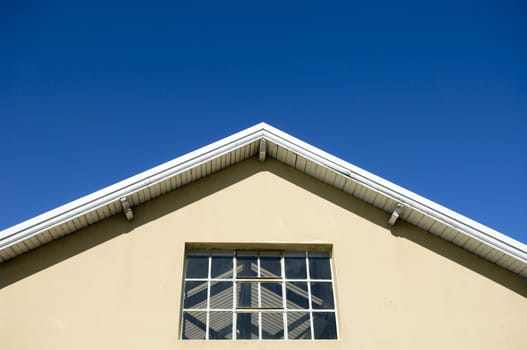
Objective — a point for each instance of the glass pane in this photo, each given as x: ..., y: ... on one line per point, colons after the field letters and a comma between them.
x: 272, y: 325
x: 298, y: 325
x: 197, y: 265
x: 247, y: 294
x: 221, y: 295
x: 221, y: 265
x: 319, y: 266
x: 297, y: 295
x: 295, y: 265
x: 322, y: 295
x: 247, y: 325
x: 247, y: 264
x: 195, y: 295
x: 324, y: 325
x: 220, y: 326
x: 194, y: 323
x: 270, y: 264
x: 271, y: 295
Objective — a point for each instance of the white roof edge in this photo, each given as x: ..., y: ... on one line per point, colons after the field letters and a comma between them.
x: 493, y: 238
x: 472, y: 228
x: 132, y: 184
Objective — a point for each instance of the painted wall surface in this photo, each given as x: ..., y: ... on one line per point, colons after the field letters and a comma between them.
x: 117, y: 284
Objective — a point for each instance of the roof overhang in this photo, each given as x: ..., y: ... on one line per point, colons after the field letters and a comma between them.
x: 263, y: 141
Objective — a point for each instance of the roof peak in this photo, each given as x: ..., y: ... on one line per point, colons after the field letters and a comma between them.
x: 294, y: 152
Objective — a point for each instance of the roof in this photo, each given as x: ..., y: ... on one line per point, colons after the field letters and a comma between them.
x: 263, y: 140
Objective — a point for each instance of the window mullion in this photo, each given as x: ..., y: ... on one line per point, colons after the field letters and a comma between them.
x: 284, y: 295
x: 334, y: 296
x: 309, y: 296
x: 234, y: 299
x: 259, y: 289
x: 207, y: 324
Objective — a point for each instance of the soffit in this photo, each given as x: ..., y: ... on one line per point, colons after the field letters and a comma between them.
x: 418, y: 211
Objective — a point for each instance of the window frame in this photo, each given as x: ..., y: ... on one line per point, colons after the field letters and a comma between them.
x: 285, y: 311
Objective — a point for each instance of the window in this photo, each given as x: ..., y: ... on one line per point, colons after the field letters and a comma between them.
x: 250, y: 294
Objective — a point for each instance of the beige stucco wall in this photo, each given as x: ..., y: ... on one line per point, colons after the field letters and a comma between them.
x: 117, y: 284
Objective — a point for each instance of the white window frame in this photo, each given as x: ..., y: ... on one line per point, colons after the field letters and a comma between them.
x: 258, y: 311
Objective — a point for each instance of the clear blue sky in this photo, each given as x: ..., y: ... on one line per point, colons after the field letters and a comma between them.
x: 429, y: 95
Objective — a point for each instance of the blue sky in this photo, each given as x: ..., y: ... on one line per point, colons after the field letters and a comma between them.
x: 429, y: 95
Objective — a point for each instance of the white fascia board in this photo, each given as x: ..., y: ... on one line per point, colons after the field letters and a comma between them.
x: 105, y: 196
x: 91, y: 202
x: 410, y: 199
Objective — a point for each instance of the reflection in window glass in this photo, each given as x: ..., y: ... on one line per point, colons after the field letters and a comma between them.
x: 297, y: 295
x: 221, y: 265
x: 295, y: 265
x: 271, y: 295
x: 197, y: 265
x: 324, y: 325
x: 298, y: 325
x: 270, y: 265
x: 319, y: 267
x: 247, y: 264
x: 195, y: 295
x: 194, y: 323
x: 220, y: 325
x: 247, y: 325
x: 272, y: 325
x: 247, y: 294
x: 322, y: 295
x: 221, y: 295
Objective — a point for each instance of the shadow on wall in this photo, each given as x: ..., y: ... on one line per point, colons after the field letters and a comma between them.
x: 462, y: 257
x: 59, y: 250
x: 70, y: 245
